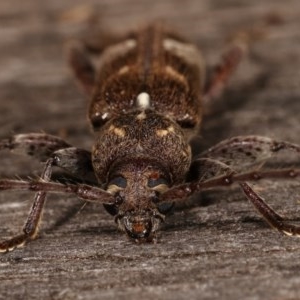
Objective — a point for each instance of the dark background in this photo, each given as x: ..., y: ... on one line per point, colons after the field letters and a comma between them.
x: 219, y: 248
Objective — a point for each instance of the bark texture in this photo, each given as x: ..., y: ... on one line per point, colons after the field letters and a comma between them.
x: 219, y: 248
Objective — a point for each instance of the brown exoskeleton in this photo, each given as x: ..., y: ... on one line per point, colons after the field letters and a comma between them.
x: 146, y: 91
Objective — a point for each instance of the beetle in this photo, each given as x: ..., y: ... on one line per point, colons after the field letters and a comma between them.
x: 146, y: 90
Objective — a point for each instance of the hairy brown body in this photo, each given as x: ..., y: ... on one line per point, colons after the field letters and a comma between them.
x: 153, y: 61
x: 146, y: 95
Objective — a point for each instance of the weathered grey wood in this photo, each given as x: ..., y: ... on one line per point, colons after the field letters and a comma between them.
x: 218, y: 250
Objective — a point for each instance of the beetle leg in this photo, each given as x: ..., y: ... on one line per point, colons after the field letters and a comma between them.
x: 275, y: 220
x: 180, y: 192
x: 30, y: 228
x: 37, y: 145
x: 203, y: 169
x: 75, y: 161
x: 217, y: 174
x: 223, y: 71
x: 243, y: 151
x: 42, y: 186
x: 82, y: 66
x: 82, y: 55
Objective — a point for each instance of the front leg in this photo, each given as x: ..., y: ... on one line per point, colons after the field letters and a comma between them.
x: 213, y: 173
x: 30, y: 228
x: 42, y: 187
x: 57, y: 153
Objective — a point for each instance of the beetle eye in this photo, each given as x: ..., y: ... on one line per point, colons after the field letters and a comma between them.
x: 119, y: 181
x: 153, y: 182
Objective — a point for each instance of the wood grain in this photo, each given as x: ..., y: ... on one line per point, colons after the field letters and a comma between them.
x: 219, y: 248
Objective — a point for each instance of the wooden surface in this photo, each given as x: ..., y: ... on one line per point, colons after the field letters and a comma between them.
x: 218, y: 249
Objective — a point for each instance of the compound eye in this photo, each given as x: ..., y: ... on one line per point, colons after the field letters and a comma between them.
x: 119, y: 181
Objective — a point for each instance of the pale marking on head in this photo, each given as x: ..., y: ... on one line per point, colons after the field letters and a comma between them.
x: 164, y: 132
x: 117, y: 130
x: 161, y: 188
x: 113, y: 189
x: 143, y: 100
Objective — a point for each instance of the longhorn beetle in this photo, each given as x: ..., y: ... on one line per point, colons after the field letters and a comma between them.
x: 146, y: 93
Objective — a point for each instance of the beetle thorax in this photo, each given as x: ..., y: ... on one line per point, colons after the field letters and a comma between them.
x: 146, y: 135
